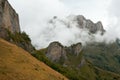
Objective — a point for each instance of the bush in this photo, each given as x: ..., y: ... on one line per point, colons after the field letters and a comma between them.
x: 21, y: 39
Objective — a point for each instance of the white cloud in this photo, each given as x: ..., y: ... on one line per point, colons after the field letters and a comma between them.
x: 36, y: 11
x: 35, y: 14
x: 113, y: 19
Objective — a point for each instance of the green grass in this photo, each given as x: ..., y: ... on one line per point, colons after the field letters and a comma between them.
x: 86, y: 72
x: 105, y: 56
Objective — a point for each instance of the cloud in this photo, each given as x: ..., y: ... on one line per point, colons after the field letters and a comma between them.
x: 35, y: 16
x: 113, y: 19
x: 65, y: 30
x: 35, y: 11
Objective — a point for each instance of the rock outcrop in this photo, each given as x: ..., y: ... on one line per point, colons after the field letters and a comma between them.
x: 75, y: 49
x: 88, y: 24
x: 55, y: 51
x: 81, y: 22
x: 8, y: 17
x: 10, y: 28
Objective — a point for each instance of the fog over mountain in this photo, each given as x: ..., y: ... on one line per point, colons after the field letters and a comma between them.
x: 35, y: 18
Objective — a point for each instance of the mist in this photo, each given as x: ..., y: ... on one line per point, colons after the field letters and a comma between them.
x: 36, y: 15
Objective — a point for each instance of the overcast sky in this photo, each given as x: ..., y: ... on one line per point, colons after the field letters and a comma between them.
x: 35, y: 13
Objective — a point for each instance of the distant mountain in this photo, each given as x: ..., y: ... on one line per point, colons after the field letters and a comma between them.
x: 79, y: 62
x: 17, y: 64
x: 81, y: 22
x: 56, y: 51
x: 102, y: 55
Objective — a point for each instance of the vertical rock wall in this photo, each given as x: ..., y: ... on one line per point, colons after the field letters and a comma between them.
x: 8, y: 17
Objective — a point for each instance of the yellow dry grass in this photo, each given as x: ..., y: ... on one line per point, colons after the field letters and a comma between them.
x: 17, y: 64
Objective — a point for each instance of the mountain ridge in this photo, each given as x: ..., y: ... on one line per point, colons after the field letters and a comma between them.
x: 81, y: 22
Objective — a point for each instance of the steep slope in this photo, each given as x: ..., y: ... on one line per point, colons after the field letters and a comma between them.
x: 17, y: 64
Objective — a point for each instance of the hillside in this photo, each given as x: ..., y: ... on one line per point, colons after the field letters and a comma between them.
x: 105, y: 56
x: 71, y: 62
x: 17, y: 64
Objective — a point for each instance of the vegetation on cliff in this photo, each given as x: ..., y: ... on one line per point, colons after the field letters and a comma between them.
x: 19, y: 38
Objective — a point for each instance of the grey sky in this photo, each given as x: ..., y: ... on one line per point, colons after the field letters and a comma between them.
x: 35, y: 13
x: 93, y: 9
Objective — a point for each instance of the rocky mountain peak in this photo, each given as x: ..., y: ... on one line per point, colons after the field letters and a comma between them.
x: 77, y: 48
x: 56, y: 52
x: 100, y: 27
x: 88, y: 24
x: 81, y: 22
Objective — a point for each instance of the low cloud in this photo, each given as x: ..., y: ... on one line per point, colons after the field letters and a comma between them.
x: 35, y: 18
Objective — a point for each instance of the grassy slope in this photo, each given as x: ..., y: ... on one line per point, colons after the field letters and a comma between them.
x: 17, y: 64
x: 89, y: 71
x: 86, y: 72
x: 105, y: 56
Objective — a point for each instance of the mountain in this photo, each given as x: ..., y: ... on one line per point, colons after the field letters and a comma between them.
x: 93, y: 61
x: 73, y: 63
x: 81, y: 22
x: 17, y: 64
x: 86, y: 23
x: 104, y: 56
x: 56, y: 51
x: 10, y: 28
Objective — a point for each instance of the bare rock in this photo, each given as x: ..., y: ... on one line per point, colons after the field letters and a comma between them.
x: 81, y: 21
x: 4, y: 33
x: 8, y: 17
x: 10, y: 28
x: 74, y: 49
x: 88, y: 24
x: 100, y: 27
x: 77, y: 48
x: 55, y: 51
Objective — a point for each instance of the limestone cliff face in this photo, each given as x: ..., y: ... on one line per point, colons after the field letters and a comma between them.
x: 75, y: 49
x: 10, y: 28
x: 8, y: 17
x: 55, y: 51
